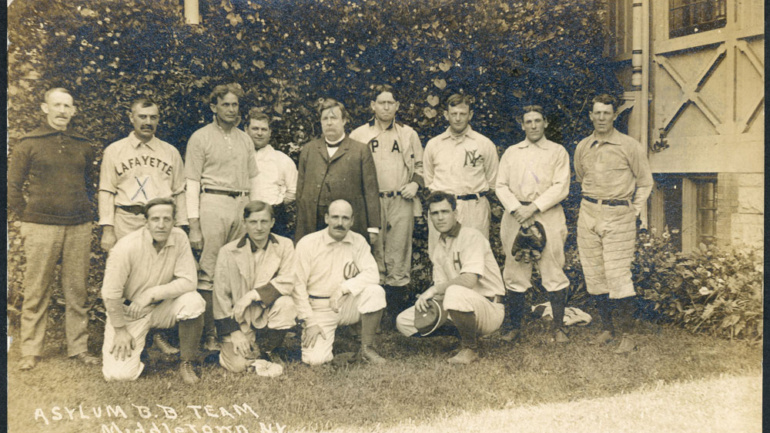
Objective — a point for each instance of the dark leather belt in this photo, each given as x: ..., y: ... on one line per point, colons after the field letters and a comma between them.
x: 233, y: 194
x: 318, y: 297
x: 525, y: 203
x: 472, y: 196
x: 497, y: 299
x: 390, y: 193
x: 607, y: 202
x: 134, y: 209
x: 127, y: 303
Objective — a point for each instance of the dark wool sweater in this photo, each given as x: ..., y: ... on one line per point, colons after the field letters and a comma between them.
x: 58, y: 166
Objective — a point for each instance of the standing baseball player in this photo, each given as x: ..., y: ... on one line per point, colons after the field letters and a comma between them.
x: 616, y: 179
x: 276, y: 182
x: 253, y: 285
x: 397, y: 153
x: 134, y: 170
x: 336, y: 284
x: 149, y: 283
x: 462, y: 162
x: 466, y: 280
x: 55, y: 163
x: 336, y: 167
x: 532, y: 181
x: 220, y: 169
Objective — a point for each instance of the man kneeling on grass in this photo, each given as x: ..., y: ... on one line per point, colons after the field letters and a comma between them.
x: 253, y: 283
x: 466, y: 281
x: 149, y: 282
x: 336, y: 284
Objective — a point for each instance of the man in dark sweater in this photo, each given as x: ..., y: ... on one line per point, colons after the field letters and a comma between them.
x: 56, y: 219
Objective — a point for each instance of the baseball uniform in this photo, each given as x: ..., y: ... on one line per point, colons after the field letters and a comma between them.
x: 616, y: 181
x: 223, y: 164
x: 465, y: 250
x: 464, y: 165
x: 134, y: 173
x: 322, y: 266
x: 535, y: 173
x: 242, y: 266
x: 135, y: 267
x: 397, y: 154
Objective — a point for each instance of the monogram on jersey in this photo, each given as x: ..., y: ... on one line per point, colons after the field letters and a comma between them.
x: 144, y: 161
x: 375, y: 144
x: 142, y: 183
x: 457, y: 262
x: 350, y: 270
x: 471, y: 158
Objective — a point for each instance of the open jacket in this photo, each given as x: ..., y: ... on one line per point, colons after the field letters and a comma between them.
x: 349, y: 175
x: 237, y: 273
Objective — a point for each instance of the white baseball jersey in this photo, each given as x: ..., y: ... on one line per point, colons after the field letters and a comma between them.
x: 463, y: 164
x: 138, y: 172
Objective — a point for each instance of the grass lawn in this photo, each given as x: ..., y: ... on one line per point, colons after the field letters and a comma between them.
x: 416, y: 387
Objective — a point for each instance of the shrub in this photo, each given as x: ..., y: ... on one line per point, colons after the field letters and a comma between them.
x: 287, y: 54
x: 711, y: 290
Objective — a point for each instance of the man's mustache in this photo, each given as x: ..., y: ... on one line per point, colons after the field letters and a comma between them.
x: 339, y: 227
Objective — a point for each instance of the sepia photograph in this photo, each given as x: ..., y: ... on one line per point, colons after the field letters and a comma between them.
x: 391, y: 216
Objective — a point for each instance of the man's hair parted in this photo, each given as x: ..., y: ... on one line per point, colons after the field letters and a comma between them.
x: 159, y: 201
x: 607, y: 99
x: 327, y: 103
x: 382, y: 88
x: 439, y: 196
x: 223, y: 89
x: 532, y: 109
x: 256, y: 113
x: 257, y: 206
x: 458, y: 99
x: 143, y: 102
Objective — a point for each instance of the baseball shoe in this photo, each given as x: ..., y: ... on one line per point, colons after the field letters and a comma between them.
x: 370, y: 355
x: 87, y: 359
x: 559, y: 336
x: 28, y: 363
x: 212, y: 344
x: 511, y: 336
x: 627, y: 344
x: 164, y: 346
x: 465, y: 356
x: 603, y: 338
x: 188, y: 374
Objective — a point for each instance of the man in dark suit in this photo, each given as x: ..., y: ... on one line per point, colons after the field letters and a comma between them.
x: 335, y: 167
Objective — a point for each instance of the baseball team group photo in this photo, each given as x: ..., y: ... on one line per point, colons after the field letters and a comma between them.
x: 353, y: 216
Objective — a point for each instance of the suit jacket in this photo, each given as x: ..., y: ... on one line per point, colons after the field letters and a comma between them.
x: 350, y: 175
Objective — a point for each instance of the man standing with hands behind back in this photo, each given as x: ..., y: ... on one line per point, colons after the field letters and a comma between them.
x: 276, y: 182
x: 464, y: 163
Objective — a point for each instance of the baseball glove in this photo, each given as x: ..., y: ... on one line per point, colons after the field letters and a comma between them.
x: 529, y: 243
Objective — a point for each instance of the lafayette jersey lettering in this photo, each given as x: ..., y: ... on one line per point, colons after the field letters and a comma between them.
x: 137, y: 173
